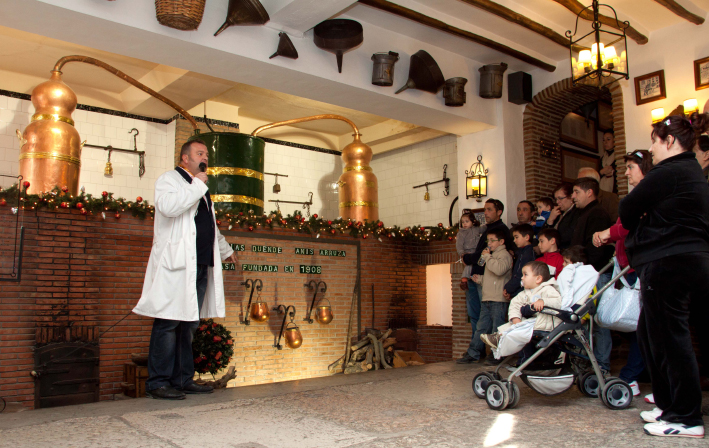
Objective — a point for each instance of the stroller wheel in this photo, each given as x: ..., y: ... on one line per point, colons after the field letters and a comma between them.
x: 480, y: 383
x: 514, y: 395
x: 588, y: 384
x: 617, y: 394
x: 497, y: 395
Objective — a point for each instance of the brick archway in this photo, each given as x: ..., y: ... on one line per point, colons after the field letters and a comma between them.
x: 542, y: 120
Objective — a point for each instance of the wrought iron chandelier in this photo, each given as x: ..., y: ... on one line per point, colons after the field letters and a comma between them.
x: 601, y: 54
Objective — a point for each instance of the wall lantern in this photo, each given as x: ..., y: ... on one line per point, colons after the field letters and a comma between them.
x: 657, y: 114
x: 691, y: 106
x: 602, y: 54
x: 476, y: 181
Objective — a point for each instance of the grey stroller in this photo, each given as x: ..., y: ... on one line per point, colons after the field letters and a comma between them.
x: 554, y: 361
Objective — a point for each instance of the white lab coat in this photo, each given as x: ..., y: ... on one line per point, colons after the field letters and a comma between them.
x: 169, y: 289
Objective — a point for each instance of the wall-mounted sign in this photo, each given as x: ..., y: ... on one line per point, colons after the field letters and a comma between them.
x: 259, y: 267
x: 310, y: 269
x: 289, y: 269
x: 304, y: 251
x: 228, y: 267
x: 237, y: 247
x: 267, y: 249
x: 332, y: 253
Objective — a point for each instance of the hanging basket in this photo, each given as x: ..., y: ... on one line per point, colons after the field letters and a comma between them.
x: 185, y: 15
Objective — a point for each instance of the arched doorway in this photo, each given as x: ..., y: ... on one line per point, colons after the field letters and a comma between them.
x: 542, y: 120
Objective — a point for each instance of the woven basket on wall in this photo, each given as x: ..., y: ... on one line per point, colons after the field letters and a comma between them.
x: 183, y: 15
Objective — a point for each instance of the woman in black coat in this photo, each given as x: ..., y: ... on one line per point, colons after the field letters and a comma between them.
x: 668, y: 245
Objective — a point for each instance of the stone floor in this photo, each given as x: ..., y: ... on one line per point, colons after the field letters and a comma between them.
x: 431, y: 405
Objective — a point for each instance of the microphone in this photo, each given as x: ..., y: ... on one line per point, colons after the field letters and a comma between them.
x: 203, y: 167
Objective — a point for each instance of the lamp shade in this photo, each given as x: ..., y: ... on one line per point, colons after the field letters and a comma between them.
x: 657, y: 114
x: 691, y: 106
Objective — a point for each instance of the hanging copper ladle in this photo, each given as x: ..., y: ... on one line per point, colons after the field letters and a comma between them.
x: 294, y: 338
x: 258, y: 311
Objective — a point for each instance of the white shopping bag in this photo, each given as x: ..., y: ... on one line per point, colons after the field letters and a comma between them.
x: 619, y: 309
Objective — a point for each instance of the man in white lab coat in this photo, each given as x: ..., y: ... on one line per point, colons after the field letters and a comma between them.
x: 183, y: 281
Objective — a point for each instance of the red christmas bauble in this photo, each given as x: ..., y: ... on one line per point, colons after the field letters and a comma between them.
x: 139, y: 199
x: 118, y: 216
x: 333, y: 231
x: 217, y: 338
x: 422, y: 229
x: 364, y: 236
x: 450, y: 238
x: 283, y: 222
x: 359, y: 223
x: 268, y: 221
x: 63, y: 205
x: 380, y: 224
x: 440, y: 224
x: 104, y: 193
x: 219, y: 222
x: 406, y: 229
x: 26, y: 184
x: 329, y: 223
x: 3, y: 202
x: 79, y: 205
x: 251, y: 228
x: 315, y: 216
x: 84, y: 211
x: 241, y: 213
x: 65, y: 188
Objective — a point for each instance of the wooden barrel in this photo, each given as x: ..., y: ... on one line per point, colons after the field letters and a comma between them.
x: 235, y: 173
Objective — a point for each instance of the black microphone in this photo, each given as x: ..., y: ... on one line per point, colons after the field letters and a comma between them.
x: 203, y: 167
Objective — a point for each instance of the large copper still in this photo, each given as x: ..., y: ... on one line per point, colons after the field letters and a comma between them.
x: 50, y: 153
x: 358, y: 188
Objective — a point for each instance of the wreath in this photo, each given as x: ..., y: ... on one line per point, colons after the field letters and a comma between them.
x: 212, y: 347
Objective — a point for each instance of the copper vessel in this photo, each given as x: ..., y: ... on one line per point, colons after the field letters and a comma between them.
x: 358, y: 187
x: 259, y: 312
x: 51, y: 151
x: 293, y: 337
x: 323, y: 313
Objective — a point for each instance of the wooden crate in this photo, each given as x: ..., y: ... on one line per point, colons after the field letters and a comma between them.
x: 134, y: 377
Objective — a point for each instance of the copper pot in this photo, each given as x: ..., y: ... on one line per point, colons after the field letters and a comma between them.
x: 323, y: 313
x: 259, y: 312
x: 293, y: 337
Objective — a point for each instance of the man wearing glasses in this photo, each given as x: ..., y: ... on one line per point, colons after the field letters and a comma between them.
x: 563, y: 217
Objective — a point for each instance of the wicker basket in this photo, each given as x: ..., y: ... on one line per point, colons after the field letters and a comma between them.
x: 183, y: 15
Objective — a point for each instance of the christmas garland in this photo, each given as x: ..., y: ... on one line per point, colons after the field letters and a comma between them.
x: 212, y: 347
x: 314, y: 225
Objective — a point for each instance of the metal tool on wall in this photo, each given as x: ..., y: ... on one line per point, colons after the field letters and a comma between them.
x: 285, y: 47
x: 19, y: 232
x: 338, y: 36
x: 445, y: 179
x: 276, y: 186
x: 244, y: 12
x: 258, y: 311
x: 324, y: 312
x: 108, y: 170
x: 424, y: 73
x: 306, y: 205
x: 294, y: 338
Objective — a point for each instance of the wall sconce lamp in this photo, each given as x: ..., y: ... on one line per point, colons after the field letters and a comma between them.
x: 446, y: 191
x: 258, y: 311
x: 690, y: 106
x: 476, y: 181
x: 324, y: 312
x: 657, y: 115
x: 293, y: 337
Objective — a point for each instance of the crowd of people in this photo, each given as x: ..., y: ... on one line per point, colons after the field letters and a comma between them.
x: 660, y: 229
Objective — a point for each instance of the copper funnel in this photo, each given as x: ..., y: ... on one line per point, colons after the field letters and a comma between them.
x: 338, y: 36
x: 259, y: 312
x: 293, y: 337
x: 244, y: 12
x: 424, y: 73
x: 285, y: 48
x: 323, y: 314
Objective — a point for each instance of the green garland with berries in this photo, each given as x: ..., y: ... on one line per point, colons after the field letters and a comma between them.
x: 212, y: 347
x: 106, y: 204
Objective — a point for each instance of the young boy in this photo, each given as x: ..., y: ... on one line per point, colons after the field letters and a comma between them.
x: 522, y: 235
x: 498, y: 267
x: 550, y: 251
x: 539, y: 291
x: 544, y: 206
x: 574, y: 254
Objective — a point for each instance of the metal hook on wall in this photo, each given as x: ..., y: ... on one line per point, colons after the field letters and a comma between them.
x: 293, y: 337
x: 259, y: 310
x: 316, y: 286
x: 135, y: 138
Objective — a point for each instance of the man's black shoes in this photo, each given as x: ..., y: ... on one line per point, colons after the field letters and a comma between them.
x: 466, y: 359
x: 165, y: 393
x: 194, y: 388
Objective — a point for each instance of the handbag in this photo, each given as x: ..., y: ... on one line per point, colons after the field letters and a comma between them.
x: 619, y: 309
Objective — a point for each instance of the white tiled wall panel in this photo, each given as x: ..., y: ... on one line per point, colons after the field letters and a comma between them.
x: 399, y: 170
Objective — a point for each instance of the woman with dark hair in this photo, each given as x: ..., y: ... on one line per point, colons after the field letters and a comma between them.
x: 564, y: 216
x: 668, y: 245
x: 637, y: 165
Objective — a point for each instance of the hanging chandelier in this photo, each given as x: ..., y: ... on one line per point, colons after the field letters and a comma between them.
x: 599, y: 57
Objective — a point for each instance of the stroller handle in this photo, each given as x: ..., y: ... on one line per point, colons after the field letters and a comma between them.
x: 606, y: 267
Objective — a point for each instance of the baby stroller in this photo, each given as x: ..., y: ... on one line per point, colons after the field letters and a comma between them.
x: 563, y: 356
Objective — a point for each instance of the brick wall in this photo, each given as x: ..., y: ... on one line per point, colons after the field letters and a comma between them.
x: 88, y: 272
x: 542, y: 120
x: 434, y: 343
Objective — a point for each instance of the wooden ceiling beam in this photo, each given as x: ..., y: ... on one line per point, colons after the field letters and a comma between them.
x: 576, y: 7
x: 678, y: 9
x: 423, y: 19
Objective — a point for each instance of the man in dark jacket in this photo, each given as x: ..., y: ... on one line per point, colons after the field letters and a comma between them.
x: 593, y: 218
x: 473, y: 296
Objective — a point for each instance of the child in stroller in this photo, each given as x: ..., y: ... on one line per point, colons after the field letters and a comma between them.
x: 557, y: 359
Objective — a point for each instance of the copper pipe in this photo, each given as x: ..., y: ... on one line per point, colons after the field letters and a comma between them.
x: 88, y: 60
x: 304, y: 119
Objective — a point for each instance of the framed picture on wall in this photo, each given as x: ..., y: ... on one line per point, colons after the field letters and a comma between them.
x: 578, y: 131
x: 650, y: 87
x: 479, y: 214
x: 572, y: 161
x: 701, y: 74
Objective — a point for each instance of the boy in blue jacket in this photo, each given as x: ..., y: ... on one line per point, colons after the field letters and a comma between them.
x: 522, y: 235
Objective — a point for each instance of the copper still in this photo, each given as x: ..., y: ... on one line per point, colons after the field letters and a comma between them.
x: 50, y: 152
x: 358, y: 188
x: 293, y: 337
x: 259, y: 312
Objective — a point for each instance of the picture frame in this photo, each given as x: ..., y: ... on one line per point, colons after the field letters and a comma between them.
x: 701, y: 73
x: 572, y: 161
x: 650, y: 87
x: 580, y: 132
